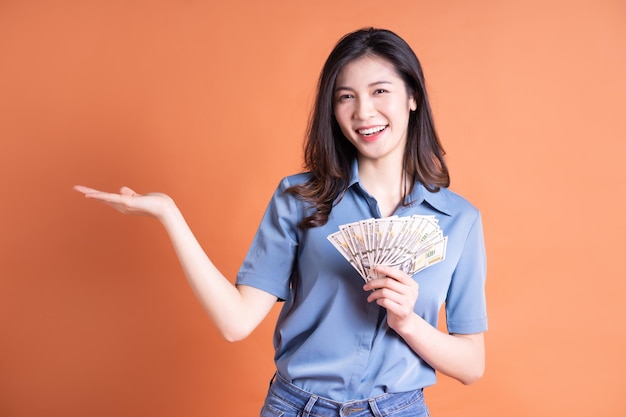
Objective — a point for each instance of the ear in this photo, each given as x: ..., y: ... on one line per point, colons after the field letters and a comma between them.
x: 413, y: 104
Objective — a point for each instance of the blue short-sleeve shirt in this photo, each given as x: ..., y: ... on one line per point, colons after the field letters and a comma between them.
x: 328, y: 339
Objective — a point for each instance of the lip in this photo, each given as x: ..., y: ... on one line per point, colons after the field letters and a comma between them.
x: 371, y: 137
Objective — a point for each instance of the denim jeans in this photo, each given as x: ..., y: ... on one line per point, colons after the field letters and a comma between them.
x: 287, y: 400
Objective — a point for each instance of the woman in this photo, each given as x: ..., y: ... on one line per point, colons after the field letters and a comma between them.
x: 344, y: 347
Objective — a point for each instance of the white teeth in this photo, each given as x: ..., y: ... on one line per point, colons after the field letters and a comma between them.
x: 371, y: 130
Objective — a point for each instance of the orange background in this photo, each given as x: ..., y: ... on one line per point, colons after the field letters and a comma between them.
x: 208, y: 101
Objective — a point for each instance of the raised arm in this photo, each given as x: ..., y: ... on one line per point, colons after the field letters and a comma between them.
x: 235, y: 310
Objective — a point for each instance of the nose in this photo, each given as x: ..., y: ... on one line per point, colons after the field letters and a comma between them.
x: 364, y: 109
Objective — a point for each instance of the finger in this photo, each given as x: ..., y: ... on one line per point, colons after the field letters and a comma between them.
x: 389, y: 288
x: 395, y: 280
x: 401, y: 298
x: 84, y: 190
x: 127, y: 191
x: 386, y: 298
x: 112, y: 198
x: 393, y: 273
x: 381, y: 283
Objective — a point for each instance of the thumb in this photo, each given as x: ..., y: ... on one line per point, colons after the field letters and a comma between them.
x: 127, y: 191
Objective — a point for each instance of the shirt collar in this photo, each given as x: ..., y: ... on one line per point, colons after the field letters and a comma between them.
x: 420, y: 194
x: 354, y: 177
x: 437, y: 200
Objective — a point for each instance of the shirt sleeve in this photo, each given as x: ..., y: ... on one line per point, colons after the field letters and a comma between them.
x: 466, y: 310
x: 270, y: 260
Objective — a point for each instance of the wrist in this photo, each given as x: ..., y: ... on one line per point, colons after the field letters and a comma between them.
x: 407, y: 326
x: 168, y: 211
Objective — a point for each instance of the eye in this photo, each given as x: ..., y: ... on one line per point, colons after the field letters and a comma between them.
x: 380, y: 91
x: 344, y: 97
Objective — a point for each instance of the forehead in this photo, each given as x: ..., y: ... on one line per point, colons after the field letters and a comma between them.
x: 367, y: 69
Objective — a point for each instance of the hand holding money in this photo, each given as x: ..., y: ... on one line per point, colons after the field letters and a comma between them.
x: 397, y: 292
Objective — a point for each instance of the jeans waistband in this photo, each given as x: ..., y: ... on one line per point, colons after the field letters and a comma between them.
x: 314, y: 405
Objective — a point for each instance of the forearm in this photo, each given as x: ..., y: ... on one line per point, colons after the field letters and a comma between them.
x: 461, y: 357
x: 224, y: 302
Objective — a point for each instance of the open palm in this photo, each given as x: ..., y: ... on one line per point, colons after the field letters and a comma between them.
x: 128, y: 201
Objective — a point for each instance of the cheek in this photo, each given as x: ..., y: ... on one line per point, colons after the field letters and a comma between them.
x: 400, y: 111
x: 343, y: 119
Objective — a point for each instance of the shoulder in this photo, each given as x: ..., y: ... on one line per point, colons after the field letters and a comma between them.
x: 292, y: 181
x: 283, y: 194
x: 457, y: 202
x: 295, y: 179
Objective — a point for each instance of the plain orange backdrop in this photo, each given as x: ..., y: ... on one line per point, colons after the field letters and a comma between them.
x: 208, y: 101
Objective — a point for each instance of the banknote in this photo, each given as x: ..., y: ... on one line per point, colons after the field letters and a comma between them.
x: 410, y: 243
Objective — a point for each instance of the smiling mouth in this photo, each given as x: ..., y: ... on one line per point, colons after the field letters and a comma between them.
x: 370, y: 131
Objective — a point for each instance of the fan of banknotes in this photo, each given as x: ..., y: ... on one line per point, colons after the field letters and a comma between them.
x: 409, y: 243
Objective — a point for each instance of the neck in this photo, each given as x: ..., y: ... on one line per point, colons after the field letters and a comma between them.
x: 388, y: 183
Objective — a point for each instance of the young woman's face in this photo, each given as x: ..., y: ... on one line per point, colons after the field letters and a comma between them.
x: 372, y: 107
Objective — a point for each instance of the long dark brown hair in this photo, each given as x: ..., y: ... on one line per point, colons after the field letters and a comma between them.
x: 328, y: 155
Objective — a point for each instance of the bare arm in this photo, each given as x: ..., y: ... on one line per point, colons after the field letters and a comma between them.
x: 461, y: 357
x: 235, y: 310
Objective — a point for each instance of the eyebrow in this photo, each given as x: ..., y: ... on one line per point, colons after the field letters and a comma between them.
x: 341, y: 87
